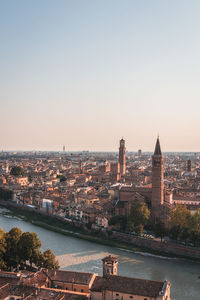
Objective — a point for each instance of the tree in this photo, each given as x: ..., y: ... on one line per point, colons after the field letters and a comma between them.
x: 180, y: 216
x: 185, y: 234
x: 16, y: 248
x: 29, y: 248
x: 139, y: 215
x: 2, y: 264
x: 180, y: 223
x: 139, y: 229
x: 119, y: 220
x: 62, y: 178
x: 2, y: 249
x: 48, y: 260
x: 174, y: 232
x: 2, y: 232
x: 195, y: 237
x: 6, y: 194
x: 11, y: 256
x: 159, y: 229
x: 16, y: 171
x: 195, y: 220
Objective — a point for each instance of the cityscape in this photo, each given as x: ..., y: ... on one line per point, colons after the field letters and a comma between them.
x: 99, y: 193
x: 100, y: 150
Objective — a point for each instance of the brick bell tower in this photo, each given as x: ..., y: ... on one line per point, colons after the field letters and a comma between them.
x: 122, y: 157
x: 157, y: 180
x: 110, y: 265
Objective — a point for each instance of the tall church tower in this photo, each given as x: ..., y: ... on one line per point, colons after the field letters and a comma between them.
x: 122, y: 157
x: 157, y: 179
x: 79, y: 164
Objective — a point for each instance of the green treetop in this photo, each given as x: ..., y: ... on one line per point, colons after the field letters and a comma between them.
x: 16, y: 171
x: 138, y: 217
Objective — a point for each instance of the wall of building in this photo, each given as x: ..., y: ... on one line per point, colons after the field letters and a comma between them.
x: 71, y: 286
x: 96, y: 295
x: 114, y: 295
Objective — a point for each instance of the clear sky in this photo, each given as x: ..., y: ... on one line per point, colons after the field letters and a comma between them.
x: 84, y: 73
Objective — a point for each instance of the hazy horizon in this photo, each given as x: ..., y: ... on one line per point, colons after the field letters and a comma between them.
x: 85, y: 73
x: 95, y: 151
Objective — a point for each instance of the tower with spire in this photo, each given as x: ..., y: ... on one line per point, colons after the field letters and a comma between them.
x: 122, y: 157
x: 157, y: 179
x: 79, y: 164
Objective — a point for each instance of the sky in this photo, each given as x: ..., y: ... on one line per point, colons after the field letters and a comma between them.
x: 85, y: 73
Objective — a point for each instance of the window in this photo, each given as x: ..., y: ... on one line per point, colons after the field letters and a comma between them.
x: 131, y: 297
x: 117, y: 294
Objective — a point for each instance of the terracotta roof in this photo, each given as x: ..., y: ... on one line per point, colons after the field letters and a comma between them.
x: 109, y: 258
x: 70, y: 276
x: 17, y: 290
x: 128, y: 285
x: 4, y: 291
x: 185, y: 198
x: 4, y: 280
x: 32, y: 293
x: 48, y: 294
x: 38, y: 278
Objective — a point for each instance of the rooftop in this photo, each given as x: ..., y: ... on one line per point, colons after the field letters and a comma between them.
x: 134, y: 286
x: 70, y: 276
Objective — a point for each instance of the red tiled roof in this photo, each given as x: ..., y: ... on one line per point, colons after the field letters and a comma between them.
x: 128, y: 285
x: 70, y: 276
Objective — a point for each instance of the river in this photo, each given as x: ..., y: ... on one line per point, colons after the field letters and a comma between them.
x: 80, y: 255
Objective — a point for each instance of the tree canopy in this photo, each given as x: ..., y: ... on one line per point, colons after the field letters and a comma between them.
x: 16, y: 171
x: 61, y: 177
x: 160, y: 230
x: 29, y: 248
x: 6, y: 194
x: 138, y: 217
x: 185, y: 226
x: 120, y: 221
x: 19, y: 250
x: 11, y: 255
x: 48, y: 260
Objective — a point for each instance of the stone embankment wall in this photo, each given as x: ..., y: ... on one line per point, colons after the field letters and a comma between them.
x: 166, y: 247
x: 170, y: 248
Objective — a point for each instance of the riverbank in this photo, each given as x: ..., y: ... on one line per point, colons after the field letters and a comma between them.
x: 52, y: 224
x: 58, y: 225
